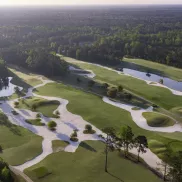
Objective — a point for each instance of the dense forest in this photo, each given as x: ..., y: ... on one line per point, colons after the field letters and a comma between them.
x: 28, y: 36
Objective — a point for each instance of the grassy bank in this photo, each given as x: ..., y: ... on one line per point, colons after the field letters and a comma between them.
x: 156, y: 68
x: 158, y: 120
x: 161, y: 96
x: 46, y: 107
x: 87, y: 164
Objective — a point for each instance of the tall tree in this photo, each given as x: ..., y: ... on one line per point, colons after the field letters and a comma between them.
x: 109, y: 139
x: 126, y: 136
x: 141, y: 144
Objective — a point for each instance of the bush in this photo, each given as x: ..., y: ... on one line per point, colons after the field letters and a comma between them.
x: 91, y: 83
x: 51, y: 125
x: 112, y: 92
x: 105, y: 85
x: 57, y: 113
x: 120, y: 88
x: 161, y: 81
x: 38, y: 115
x: 88, y: 129
x: 16, y: 103
x: 14, y: 112
x: 1, y: 149
x: 73, y: 136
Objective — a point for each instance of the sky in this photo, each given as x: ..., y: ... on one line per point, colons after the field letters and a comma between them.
x: 86, y: 2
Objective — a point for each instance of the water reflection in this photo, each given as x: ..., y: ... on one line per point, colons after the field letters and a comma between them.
x: 7, y: 88
x: 155, y: 78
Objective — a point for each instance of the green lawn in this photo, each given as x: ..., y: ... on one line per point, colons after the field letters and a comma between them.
x: 161, y: 96
x: 177, y: 110
x: 101, y: 114
x: 58, y: 145
x: 87, y: 165
x: 36, y: 122
x: 153, y: 67
x: 158, y: 120
x: 43, y: 106
x: 19, y: 145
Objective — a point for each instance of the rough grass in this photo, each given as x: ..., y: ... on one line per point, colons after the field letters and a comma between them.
x: 59, y: 145
x: 19, y: 145
x: 177, y: 110
x: 36, y: 122
x: 158, y: 120
x: 161, y: 96
x: 87, y: 164
x: 169, y: 71
x: 157, y: 147
x: 84, y: 104
x: 43, y: 106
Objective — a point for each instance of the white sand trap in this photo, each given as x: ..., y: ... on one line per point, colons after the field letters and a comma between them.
x: 65, y: 126
x: 68, y: 122
x: 140, y: 120
x: 89, y: 75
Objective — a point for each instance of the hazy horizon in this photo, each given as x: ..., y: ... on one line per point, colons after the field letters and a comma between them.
x: 88, y: 2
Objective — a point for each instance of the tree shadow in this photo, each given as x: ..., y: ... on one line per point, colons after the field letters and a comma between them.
x: 119, y: 179
x: 88, y: 147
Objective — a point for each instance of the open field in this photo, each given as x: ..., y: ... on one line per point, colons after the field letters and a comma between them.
x: 161, y: 96
x: 84, y: 104
x: 87, y: 164
x: 156, y: 68
x: 43, y: 106
x: 19, y: 145
x: 158, y: 120
x: 177, y: 110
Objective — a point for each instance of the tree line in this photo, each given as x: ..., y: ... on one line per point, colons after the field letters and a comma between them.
x: 124, y: 140
x: 101, y: 35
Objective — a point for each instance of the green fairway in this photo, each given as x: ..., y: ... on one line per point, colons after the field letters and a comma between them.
x: 161, y: 96
x: 43, y: 106
x: 158, y: 120
x: 19, y: 145
x: 87, y: 164
x: 101, y: 114
x: 157, y: 68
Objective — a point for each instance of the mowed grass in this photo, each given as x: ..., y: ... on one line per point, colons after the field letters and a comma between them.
x: 177, y: 110
x: 161, y: 96
x: 46, y: 107
x: 87, y: 165
x: 101, y: 114
x: 36, y: 122
x: 58, y: 145
x: 19, y: 145
x: 164, y: 70
x: 158, y: 120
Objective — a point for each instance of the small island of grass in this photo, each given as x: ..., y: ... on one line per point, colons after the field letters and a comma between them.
x: 158, y: 120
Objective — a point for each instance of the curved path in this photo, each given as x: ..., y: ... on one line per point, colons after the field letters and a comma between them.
x: 68, y: 122
x: 65, y: 125
x: 175, y: 92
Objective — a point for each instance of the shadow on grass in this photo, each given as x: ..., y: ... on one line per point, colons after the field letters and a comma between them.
x: 88, y: 147
x: 119, y: 179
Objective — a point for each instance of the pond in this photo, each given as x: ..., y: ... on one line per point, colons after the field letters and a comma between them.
x: 10, y: 90
x: 154, y: 78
